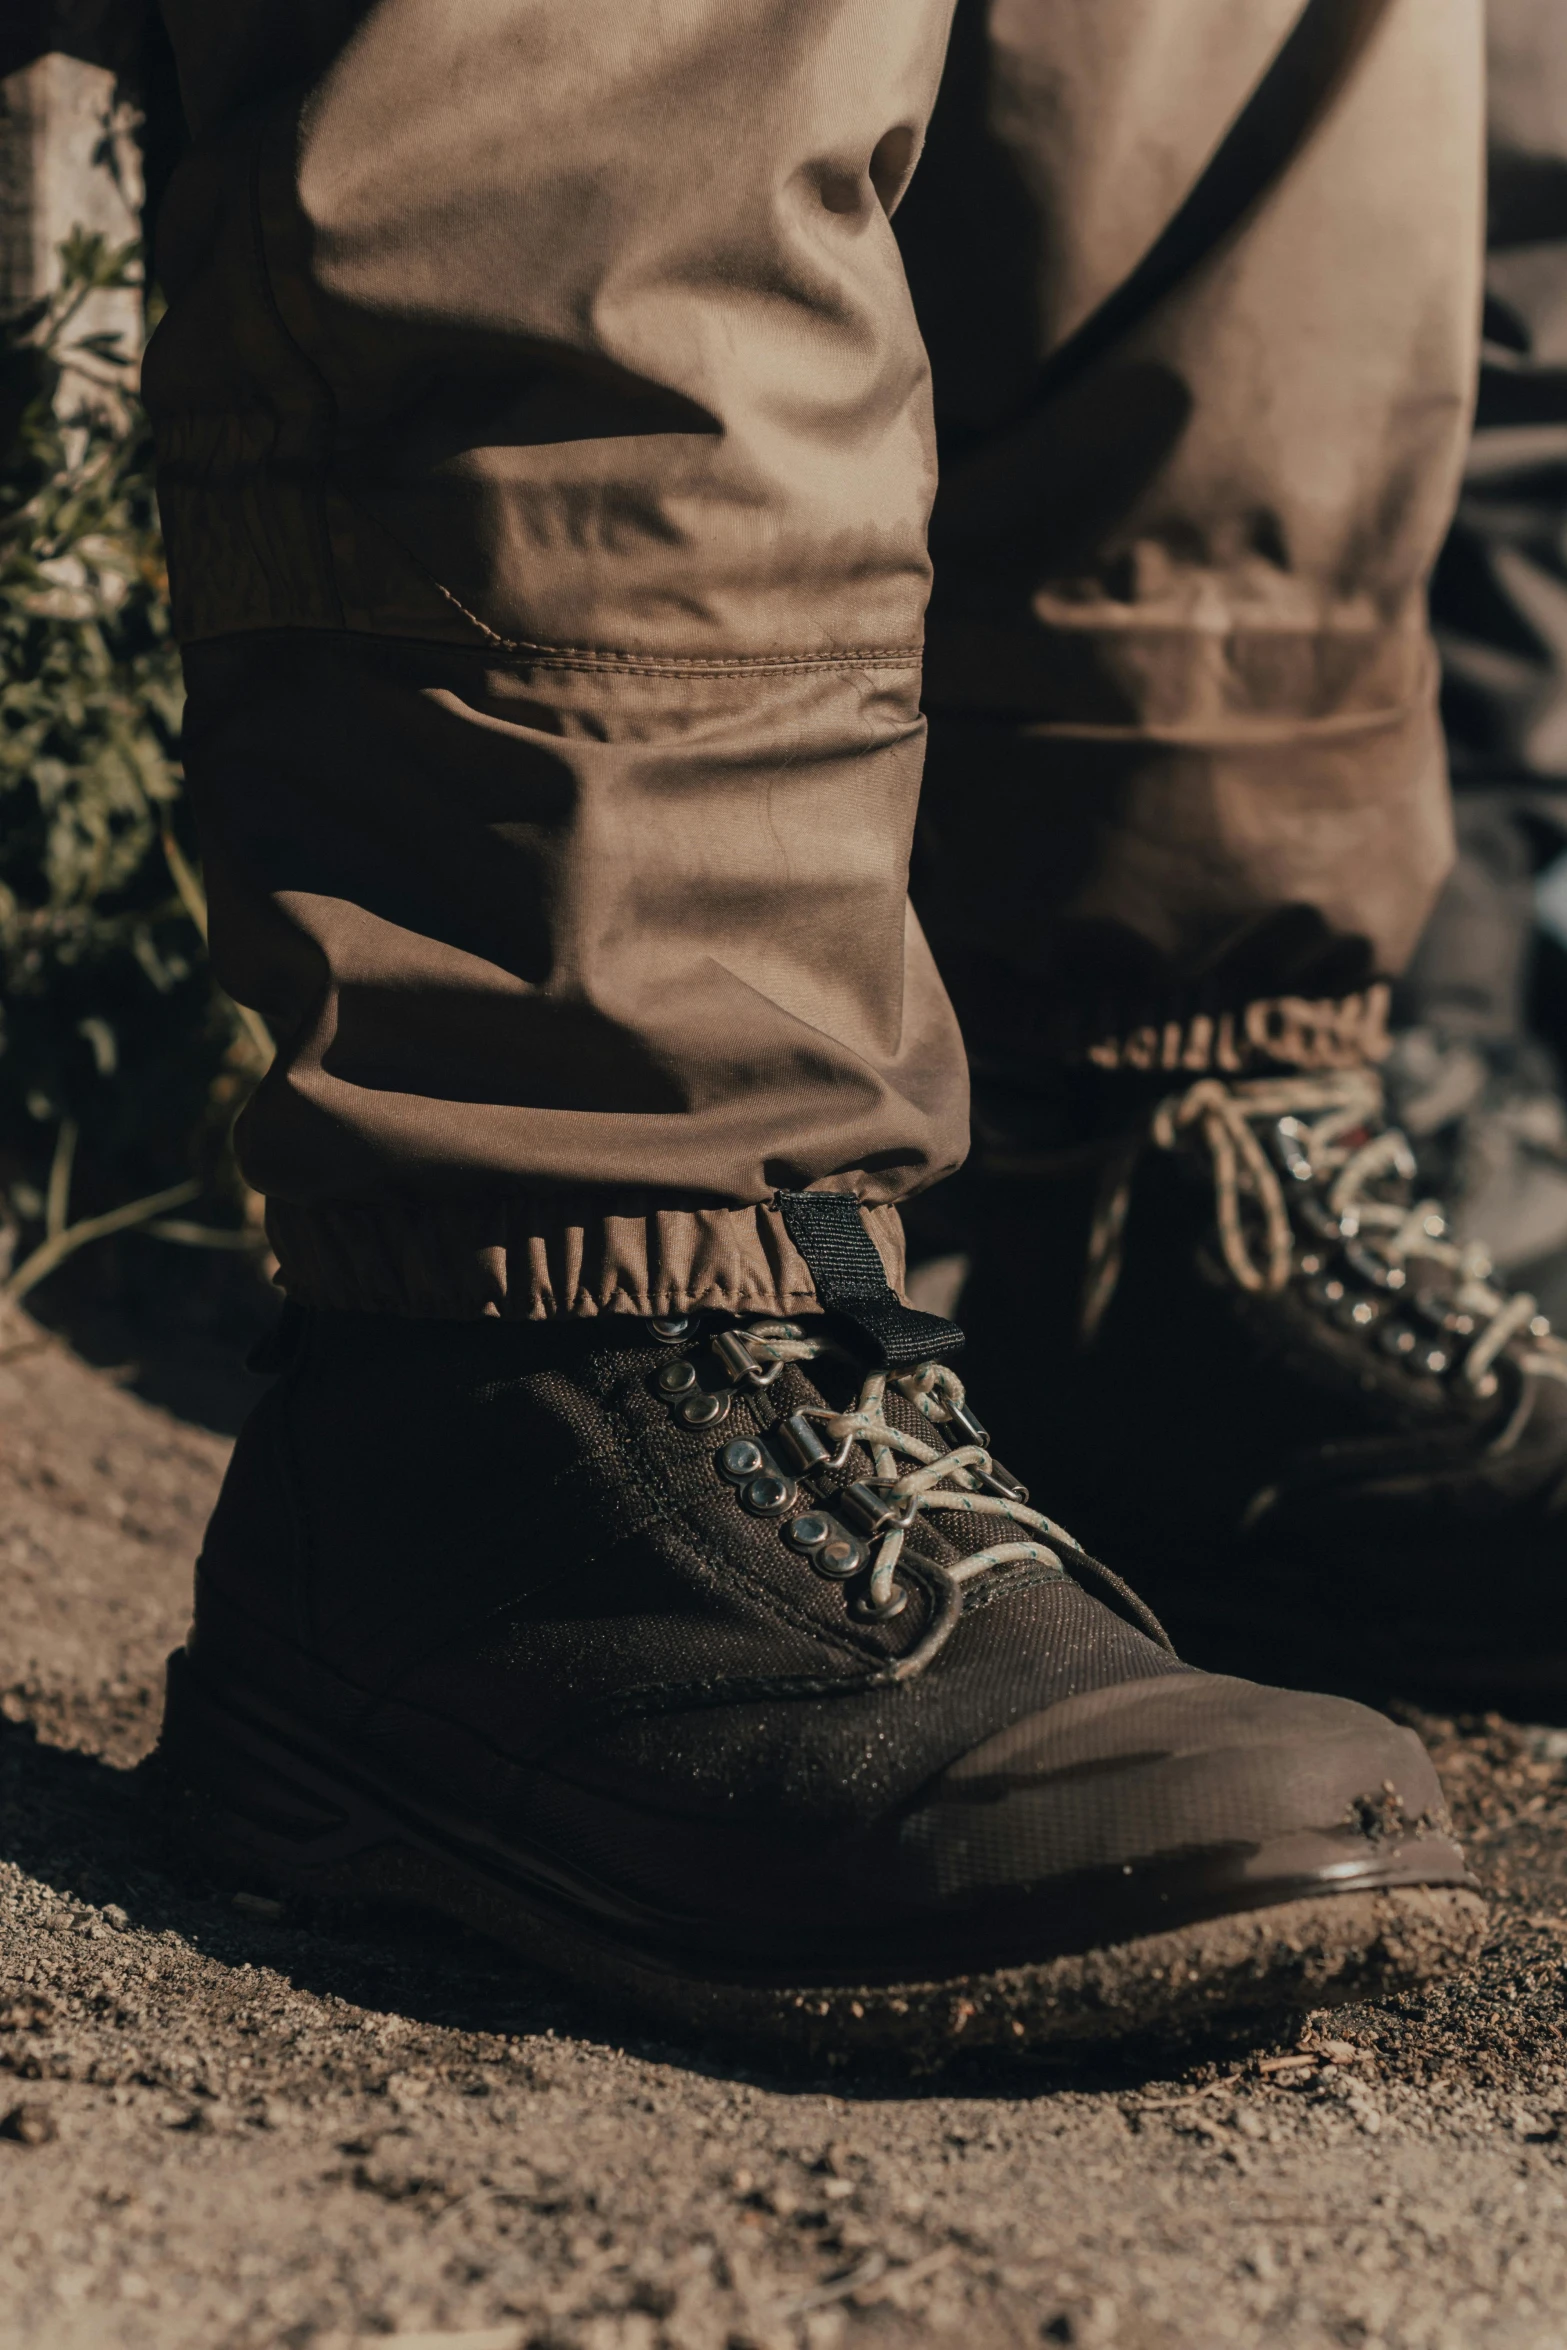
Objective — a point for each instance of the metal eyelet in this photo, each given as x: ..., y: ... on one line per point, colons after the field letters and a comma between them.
x: 766, y: 1490
x: 770, y: 1495
x: 822, y: 1540
x: 1373, y: 1269
x: 704, y: 1411
x: 1322, y: 1221
x: 1396, y: 1338
x: 669, y: 1329
x: 676, y: 1379
x: 1355, y: 1313
x: 741, y: 1459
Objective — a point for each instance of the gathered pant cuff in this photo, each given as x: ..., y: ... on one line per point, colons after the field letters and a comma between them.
x: 532, y: 1258
x: 1272, y: 1032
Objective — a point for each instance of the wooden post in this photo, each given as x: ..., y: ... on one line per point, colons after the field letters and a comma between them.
x: 69, y: 156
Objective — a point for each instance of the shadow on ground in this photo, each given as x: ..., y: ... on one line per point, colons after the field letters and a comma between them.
x: 106, y: 1837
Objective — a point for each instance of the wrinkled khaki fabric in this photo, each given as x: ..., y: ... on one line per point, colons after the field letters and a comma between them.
x: 1181, y: 689
x: 547, y: 458
x: 1501, y: 590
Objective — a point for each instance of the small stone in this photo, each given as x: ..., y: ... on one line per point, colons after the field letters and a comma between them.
x: 408, y: 2088
x: 258, y: 1905
x: 208, y: 2117
x: 29, y: 2124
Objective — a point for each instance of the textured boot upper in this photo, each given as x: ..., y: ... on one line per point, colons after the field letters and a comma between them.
x: 1249, y: 1297
x: 501, y: 1568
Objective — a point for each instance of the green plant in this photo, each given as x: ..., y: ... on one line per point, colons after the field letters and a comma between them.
x: 122, y: 1064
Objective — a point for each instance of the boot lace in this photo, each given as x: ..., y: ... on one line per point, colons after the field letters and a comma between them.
x: 1327, y: 1159
x: 857, y: 1533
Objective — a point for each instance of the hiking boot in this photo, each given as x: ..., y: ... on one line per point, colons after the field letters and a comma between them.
x: 1256, y: 1366
x: 1487, y: 1121
x: 716, y: 1667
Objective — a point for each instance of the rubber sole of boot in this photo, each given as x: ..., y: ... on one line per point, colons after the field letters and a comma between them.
x: 274, y: 1819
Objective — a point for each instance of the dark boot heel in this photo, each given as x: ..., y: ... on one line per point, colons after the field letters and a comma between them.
x: 261, y: 1813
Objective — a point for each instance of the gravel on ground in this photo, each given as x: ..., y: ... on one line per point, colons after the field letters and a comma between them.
x: 224, y: 2127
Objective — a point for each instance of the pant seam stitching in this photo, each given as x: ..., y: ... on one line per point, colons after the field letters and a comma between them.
x: 606, y: 656
x: 601, y: 660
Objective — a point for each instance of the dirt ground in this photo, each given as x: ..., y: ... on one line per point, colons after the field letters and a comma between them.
x: 223, y: 2127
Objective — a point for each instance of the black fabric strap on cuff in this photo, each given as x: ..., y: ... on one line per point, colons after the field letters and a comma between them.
x: 851, y: 1281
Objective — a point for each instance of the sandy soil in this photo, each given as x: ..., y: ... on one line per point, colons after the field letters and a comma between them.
x: 220, y: 2127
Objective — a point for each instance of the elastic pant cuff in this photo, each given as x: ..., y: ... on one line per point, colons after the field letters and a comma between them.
x: 1272, y: 1032
x: 529, y: 1258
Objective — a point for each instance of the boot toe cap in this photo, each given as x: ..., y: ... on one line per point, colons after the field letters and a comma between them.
x: 1195, y: 1776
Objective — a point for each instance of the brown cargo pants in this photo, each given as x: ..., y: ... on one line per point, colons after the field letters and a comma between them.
x: 547, y: 456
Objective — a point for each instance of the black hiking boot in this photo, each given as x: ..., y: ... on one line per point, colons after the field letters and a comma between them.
x: 1257, y: 1369
x: 714, y: 1669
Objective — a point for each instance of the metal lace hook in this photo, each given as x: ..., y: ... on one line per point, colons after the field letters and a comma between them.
x: 734, y: 1352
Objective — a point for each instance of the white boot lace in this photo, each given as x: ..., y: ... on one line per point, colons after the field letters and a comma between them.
x: 1329, y: 1147
x: 908, y: 1478
x: 939, y: 1480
